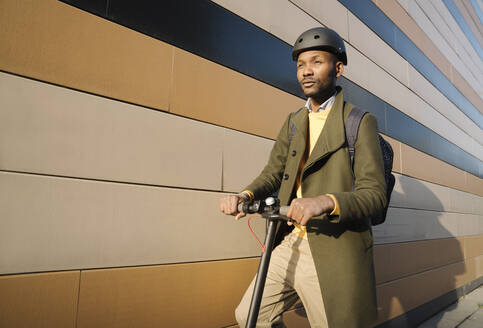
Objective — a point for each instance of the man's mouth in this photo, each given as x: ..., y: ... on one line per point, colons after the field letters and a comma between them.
x: 308, y: 84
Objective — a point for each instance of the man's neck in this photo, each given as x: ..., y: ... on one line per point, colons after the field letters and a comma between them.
x: 317, y: 101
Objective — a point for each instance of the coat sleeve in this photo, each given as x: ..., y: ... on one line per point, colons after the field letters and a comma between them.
x: 270, y: 178
x: 368, y: 199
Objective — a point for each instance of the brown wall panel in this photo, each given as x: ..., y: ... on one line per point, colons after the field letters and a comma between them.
x: 54, y: 42
x: 422, y: 166
x: 474, y: 184
x: 402, y: 295
x: 210, y: 92
x: 473, y: 246
x: 400, y: 17
x: 394, y: 261
x: 179, y: 295
x: 39, y: 300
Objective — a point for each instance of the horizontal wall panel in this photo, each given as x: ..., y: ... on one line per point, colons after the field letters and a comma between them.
x: 51, y: 41
x: 330, y: 13
x: 416, y: 163
x: 47, y: 300
x: 404, y: 224
x: 57, y: 131
x: 181, y: 295
x: 244, y: 157
x: 418, y: 194
x: 273, y: 15
x: 398, y: 260
x: 372, y: 46
x: 58, y: 223
x: 400, y: 296
x: 228, y: 98
x: 473, y: 246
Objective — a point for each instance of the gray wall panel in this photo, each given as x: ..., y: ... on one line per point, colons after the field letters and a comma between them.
x: 244, y: 157
x: 57, y: 131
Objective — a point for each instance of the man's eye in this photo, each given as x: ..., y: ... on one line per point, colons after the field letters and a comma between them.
x: 318, y: 62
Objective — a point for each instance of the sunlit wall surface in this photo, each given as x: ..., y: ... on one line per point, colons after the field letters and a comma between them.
x: 123, y: 122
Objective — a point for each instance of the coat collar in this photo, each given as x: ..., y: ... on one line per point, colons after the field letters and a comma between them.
x: 332, y: 136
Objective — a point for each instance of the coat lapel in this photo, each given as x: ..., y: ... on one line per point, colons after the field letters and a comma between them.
x: 332, y: 136
x: 300, y: 124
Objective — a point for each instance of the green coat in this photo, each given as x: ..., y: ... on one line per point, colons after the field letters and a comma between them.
x: 342, y: 246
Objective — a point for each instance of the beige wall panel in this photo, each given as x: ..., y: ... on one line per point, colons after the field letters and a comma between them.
x: 272, y: 16
x: 401, y: 18
x: 416, y: 163
x: 473, y: 246
x: 58, y: 131
x: 244, y: 157
x: 180, y: 295
x: 395, y: 261
x: 372, y: 46
x: 54, y: 42
x: 39, y: 300
x: 71, y: 223
x: 464, y: 202
x: 404, y: 224
x: 228, y: 98
x: 479, y: 266
x: 418, y: 194
x: 402, y: 295
x: 330, y: 13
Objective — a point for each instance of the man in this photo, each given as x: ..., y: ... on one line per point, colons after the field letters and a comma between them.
x: 327, y: 258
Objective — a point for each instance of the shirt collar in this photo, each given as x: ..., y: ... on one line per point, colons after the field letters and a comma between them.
x: 329, y: 102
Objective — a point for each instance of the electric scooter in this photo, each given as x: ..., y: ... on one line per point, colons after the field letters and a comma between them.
x: 271, y: 210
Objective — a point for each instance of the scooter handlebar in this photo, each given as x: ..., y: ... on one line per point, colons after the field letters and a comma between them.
x: 268, y: 207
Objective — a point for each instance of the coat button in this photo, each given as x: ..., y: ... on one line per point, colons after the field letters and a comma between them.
x: 294, y: 152
x: 285, y: 176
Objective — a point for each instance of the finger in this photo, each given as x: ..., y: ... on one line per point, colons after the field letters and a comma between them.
x: 234, y: 204
x: 239, y: 216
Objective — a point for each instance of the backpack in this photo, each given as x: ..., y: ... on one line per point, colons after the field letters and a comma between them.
x: 351, y: 130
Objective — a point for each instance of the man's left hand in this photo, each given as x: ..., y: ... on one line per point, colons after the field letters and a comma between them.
x: 303, y: 209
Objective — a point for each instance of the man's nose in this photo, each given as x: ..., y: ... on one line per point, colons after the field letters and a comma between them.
x: 308, y: 71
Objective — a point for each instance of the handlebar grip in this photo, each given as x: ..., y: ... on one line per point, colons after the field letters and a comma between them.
x: 284, y: 210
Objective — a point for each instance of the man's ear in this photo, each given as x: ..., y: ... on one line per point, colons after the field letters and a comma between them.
x: 339, y: 68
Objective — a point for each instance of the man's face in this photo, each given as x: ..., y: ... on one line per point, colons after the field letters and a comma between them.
x: 317, y: 72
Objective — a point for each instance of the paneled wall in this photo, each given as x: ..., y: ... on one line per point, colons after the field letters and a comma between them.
x: 122, y: 123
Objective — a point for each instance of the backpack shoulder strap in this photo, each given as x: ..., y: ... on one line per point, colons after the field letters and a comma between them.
x: 352, y: 128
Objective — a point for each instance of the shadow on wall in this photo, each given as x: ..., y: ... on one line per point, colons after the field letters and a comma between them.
x: 421, y: 259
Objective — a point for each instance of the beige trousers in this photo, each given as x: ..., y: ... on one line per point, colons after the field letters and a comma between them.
x: 291, y: 275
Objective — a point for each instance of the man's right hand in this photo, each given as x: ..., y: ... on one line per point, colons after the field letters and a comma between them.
x: 229, y: 205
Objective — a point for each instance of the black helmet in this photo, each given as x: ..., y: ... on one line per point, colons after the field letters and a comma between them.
x: 320, y: 38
